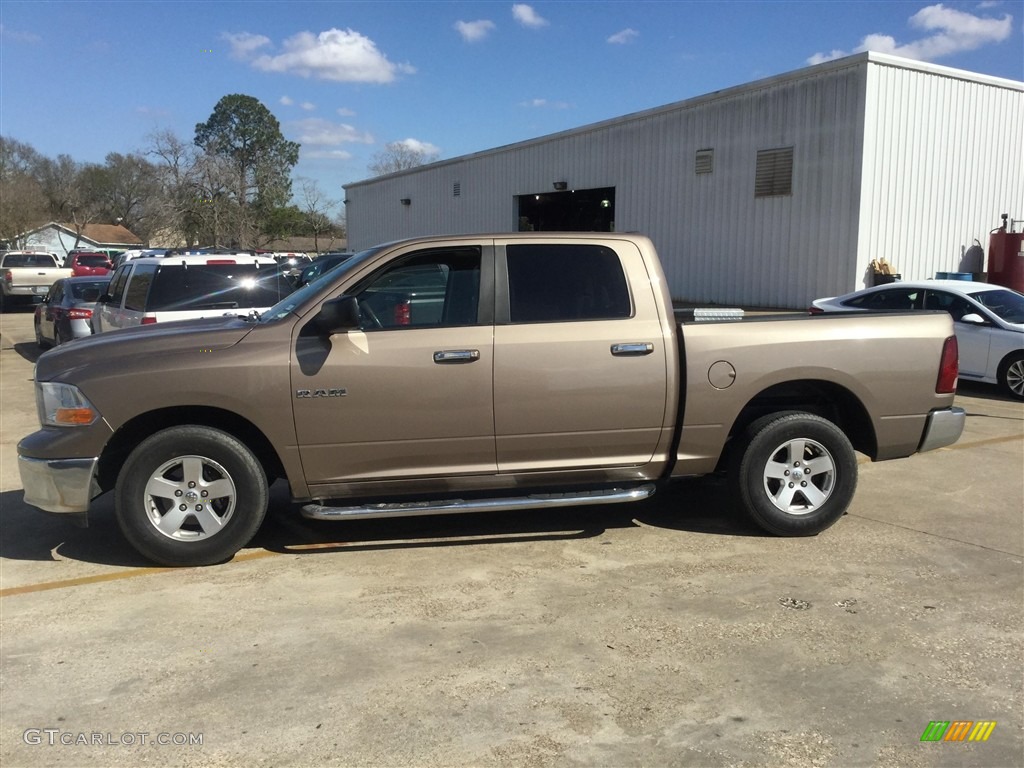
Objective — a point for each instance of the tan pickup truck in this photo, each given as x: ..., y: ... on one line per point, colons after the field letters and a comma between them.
x: 26, y: 276
x: 472, y: 373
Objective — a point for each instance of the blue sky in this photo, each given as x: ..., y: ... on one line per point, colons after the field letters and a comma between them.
x: 345, y: 78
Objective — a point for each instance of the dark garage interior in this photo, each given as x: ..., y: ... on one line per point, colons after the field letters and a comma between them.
x: 577, y: 210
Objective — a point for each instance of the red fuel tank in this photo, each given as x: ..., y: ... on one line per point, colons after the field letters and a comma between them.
x: 1006, y: 259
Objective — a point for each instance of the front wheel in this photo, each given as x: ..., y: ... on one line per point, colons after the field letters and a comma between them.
x: 1011, y: 376
x: 796, y: 472
x: 190, y: 496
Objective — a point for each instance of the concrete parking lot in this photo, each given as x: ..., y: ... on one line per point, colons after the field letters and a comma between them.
x: 669, y: 632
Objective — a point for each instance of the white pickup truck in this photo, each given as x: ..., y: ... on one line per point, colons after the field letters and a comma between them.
x: 26, y: 276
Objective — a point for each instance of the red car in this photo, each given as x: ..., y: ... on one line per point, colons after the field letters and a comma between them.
x: 88, y: 263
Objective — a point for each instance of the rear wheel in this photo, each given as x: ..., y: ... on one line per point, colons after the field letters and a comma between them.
x: 796, y: 473
x: 1011, y: 376
x: 190, y: 496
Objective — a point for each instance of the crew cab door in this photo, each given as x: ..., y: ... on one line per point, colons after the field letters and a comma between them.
x: 580, y: 379
x: 409, y: 394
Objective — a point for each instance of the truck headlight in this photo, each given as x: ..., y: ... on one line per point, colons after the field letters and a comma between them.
x: 63, y: 405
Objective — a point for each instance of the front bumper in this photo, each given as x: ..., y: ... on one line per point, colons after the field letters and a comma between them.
x: 59, y: 485
x: 943, y: 428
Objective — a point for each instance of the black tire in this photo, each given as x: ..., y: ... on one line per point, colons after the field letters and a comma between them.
x: 1011, y: 375
x: 771, y: 453
x: 185, y: 463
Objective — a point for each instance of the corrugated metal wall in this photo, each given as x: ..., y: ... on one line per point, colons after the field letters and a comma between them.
x: 717, y: 241
x: 944, y: 157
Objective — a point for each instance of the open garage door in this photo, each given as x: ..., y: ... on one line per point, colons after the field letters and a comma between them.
x: 577, y: 210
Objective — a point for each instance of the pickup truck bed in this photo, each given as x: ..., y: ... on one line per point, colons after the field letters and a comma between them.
x: 26, y: 276
x: 544, y: 369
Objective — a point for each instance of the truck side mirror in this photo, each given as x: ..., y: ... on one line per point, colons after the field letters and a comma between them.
x: 337, y: 315
x: 106, y: 298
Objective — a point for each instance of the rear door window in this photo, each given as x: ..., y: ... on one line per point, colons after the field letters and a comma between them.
x: 116, y: 289
x: 551, y: 283
x: 138, y: 288
x: 891, y: 300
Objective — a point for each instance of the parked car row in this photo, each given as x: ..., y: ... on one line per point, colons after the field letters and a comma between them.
x: 988, y: 320
x: 158, y: 286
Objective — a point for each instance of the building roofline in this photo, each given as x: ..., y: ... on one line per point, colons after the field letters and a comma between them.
x: 814, y: 70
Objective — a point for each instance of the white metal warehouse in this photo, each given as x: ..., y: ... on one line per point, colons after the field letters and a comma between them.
x: 769, y: 194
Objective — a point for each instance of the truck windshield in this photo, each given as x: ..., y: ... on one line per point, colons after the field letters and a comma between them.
x: 307, y: 292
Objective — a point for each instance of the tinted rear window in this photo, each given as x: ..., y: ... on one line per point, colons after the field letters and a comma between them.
x: 93, y: 260
x: 562, y: 283
x: 216, y: 286
x: 28, y: 260
x: 92, y: 289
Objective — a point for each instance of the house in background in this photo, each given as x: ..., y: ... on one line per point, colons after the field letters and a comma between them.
x: 62, y: 238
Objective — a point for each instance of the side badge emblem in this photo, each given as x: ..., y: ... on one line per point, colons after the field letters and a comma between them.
x: 333, y: 392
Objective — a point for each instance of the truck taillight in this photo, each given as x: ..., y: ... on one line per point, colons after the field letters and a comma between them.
x: 403, y: 313
x: 948, y: 368
x: 8, y: 278
x: 148, y: 320
x: 813, y: 310
x: 79, y: 314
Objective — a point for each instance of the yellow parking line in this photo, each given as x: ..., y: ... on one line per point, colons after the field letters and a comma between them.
x: 976, y: 443
x: 961, y: 446
x: 129, y: 574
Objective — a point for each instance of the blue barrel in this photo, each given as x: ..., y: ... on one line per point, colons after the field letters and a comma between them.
x: 960, y: 276
x: 942, y: 275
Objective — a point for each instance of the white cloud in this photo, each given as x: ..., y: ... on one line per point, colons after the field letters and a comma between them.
x: 545, y: 104
x: 309, y: 106
x: 343, y: 56
x: 19, y: 37
x: 528, y: 17
x: 420, y: 146
x: 326, y: 154
x: 949, y: 31
x: 475, y: 31
x: 287, y: 100
x: 623, y: 37
x: 244, y: 44
x: 345, y: 112
x: 323, y: 133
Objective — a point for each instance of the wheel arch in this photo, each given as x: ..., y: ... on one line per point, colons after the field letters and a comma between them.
x: 822, y: 398
x: 134, y: 431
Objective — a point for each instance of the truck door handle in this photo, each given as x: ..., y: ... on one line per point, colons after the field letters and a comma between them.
x: 632, y: 350
x: 457, y: 356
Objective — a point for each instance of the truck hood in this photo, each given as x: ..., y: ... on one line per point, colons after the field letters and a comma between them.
x: 162, y: 338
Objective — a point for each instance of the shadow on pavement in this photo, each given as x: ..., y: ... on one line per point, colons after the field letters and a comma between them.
x: 984, y: 392
x: 693, y: 506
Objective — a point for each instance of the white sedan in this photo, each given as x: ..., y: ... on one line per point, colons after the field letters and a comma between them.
x: 989, y: 322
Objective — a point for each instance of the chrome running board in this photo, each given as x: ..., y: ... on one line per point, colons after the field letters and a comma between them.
x: 456, y: 506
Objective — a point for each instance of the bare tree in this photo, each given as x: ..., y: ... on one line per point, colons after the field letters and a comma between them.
x: 400, y: 156
x: 22, y: 203
x: 69, y: 188
x: 315, y: 207
x: 127, y: 189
